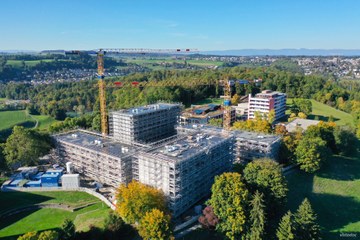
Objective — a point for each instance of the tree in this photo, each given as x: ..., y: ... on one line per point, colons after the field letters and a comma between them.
x: 306, y: 226
x: 301, y: 105
x: 49, y: 235
x: 217, y: 122
x: 155, y: 225
x: 325, y: 131
x: 310, y: 153
x: 229, y: 199
x: 208, y: 219
x: 29, y: 236
x: 67, y: 230
x: 345, y: 140
x: 235, y: 99
x: 257, y: 217
x: 285, y: 230
x: 115, y: 228
x: 302, y: 115
x: 135, y: 199
x: 265, y: 175
x: 271, y: 116
x: 25, y: 146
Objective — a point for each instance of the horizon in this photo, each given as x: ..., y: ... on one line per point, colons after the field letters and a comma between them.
x: 208, y: 26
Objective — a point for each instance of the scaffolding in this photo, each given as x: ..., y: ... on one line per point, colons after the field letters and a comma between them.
x: 185, y: 169
x: 144, y: 124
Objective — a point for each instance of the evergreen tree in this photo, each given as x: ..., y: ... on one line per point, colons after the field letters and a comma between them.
x: 306, y: 226
x: 285, y: 230
x: 68, y: 229
x: 257, y: 217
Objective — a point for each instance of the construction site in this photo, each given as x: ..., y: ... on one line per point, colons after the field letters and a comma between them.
x: 152, y: 145
x: 182, y: 162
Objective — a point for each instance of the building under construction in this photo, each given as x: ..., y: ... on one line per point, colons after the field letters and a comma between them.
x: 182, y: 166
x: 184, y: 169
x: 144, y: 124
x: 102, y: 159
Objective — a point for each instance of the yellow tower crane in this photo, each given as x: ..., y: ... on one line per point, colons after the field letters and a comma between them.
x: 100, y: 53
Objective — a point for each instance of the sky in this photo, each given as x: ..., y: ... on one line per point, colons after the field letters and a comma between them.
x: 204, y: 25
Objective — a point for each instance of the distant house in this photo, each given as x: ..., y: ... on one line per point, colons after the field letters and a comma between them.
x: 300, y: 123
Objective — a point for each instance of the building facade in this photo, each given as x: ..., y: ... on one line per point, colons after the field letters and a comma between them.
x: 185, y: 169
x: 144, y: 124
x: 103, y: 160
x: 266, y: 101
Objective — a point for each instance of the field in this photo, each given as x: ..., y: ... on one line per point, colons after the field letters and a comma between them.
x: 18, y: 63
x: 49, y: 218
x: 201, y: 63
x: 8, y: 119
x: 323, y: 112
x: 11, y: 118
x: 334, y: 193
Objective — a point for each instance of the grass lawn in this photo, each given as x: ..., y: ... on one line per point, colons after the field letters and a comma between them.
x: 334, y: 193
x: 210, y: 100
x: 323, y: 112
x: 49, y: 218
x: 8, y: 119
x: 11, y: 118
x: 44, y: 121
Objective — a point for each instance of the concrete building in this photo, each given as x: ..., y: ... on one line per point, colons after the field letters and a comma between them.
x: 102, y: 159
x: 144, y: 124
x: 300, y: 123
x: 183, y: 166
x: 252, y: 145
x: 184, y: 169
x: 266, y: 101
x: 242, y: 111
x: 201, y: 114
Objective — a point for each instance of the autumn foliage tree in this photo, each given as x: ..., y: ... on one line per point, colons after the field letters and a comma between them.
x: 155, y: 225
x: 208, y: 218
x: 136, y: 199
x: 229, y: 199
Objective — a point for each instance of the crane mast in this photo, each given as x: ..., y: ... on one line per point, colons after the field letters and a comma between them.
x: 102, y: 92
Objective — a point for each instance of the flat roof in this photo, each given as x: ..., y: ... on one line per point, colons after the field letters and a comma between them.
x: 299, y: 122
x: 188, y: 145
x: 256, y: 137
x: 96, y: 143
x: 246, y: 135
x: 146, y: 109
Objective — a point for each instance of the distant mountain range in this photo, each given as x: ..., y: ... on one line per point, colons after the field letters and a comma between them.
x: 285, y: 52
x: 254, y: 52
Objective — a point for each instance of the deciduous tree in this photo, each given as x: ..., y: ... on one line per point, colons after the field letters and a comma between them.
x: 25, y: 146
x: 49, y: 235
x: 265, y: 175
x: 135, y: 199
x: 229, y: 199
x: 209, y: 219
x: 155, y: 225
x: 310, y: 153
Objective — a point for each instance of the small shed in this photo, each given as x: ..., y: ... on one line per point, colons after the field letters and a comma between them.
x: 70, y: 181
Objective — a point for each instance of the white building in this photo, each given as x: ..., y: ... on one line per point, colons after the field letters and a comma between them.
x: 266, y: 101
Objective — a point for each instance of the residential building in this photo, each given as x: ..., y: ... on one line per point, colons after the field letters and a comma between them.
x: 266, y: 101
x: 144, y: 124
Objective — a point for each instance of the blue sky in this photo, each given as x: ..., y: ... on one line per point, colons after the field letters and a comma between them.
x: 206, y: 25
